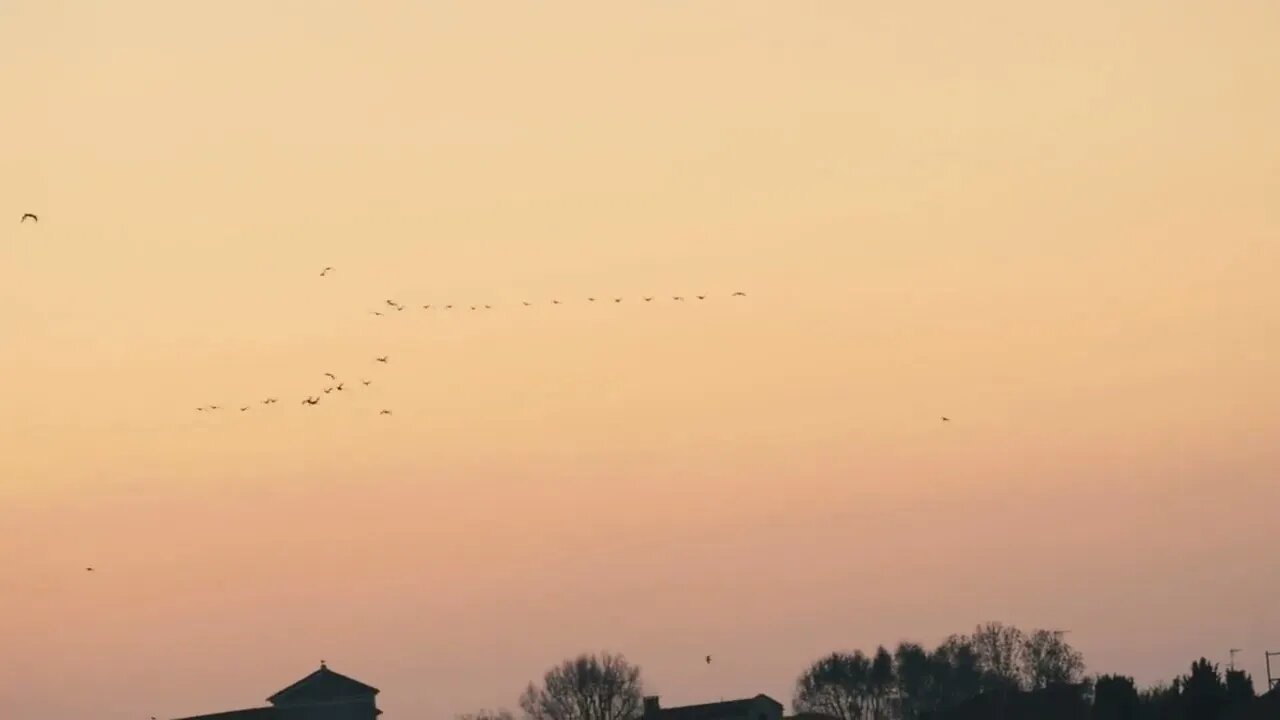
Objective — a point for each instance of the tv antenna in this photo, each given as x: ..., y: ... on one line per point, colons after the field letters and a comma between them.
x: 1232, y: 663
x: 1272, y: 681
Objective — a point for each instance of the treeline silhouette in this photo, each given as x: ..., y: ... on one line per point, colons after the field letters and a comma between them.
x: 998, y: 672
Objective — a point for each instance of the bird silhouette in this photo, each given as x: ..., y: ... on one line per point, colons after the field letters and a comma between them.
x: 213, y: 407
x: 526, y: 303
x: 88, y: 569
x: 267, y: 401
x: 331, y: 376
x: 590, y: 299
x: 392, y: 303
x: 29, y: 215
x: 488, y: 307
x: 473, y: 307
x: 338, y: 387
x: 328, y: 390
x: 617, y: 299
x: 708, y: 659
x: 382, y: 359
x: 325, y: 271
x: 448, y: 307
x: 701, y: 297
x: 946, y: 419
x: 676, y: 297
x: 366, y: 382
x: 311, y: 401
x: 648, y: 299
x: 426, y: 307
x: 555, y: 302
x: 375, y: 312
x: 199, y: 409
x: 384, y: 412
x: 246, y: 407
x: 739, y: 294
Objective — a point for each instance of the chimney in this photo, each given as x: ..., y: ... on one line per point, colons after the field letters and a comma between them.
x: 651, y: 708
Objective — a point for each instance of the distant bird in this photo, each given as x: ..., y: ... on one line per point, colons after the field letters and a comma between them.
x: 739, y: 294
x: 199, y: 409
x: 29, y: 215
x: 366, y: 382
x: 648, y: 299
x: 555, y: 302
x: 708, y: 659
x: 946, y: 419
x: 488, y: 307
x: 448, y: 307
x: 392, y: 303
x: 617, y: 299
x: 676, y: 297
x: 213, y: 407
x: 701, y: 297
x: 473, y: 307
x: 526, y: 303
x: 328, y: 390
x: 375, y: 312
x: 311, y: 401
x: 325, y: 271
x: 267, y: 401
x: 385, y: 412
x: 399, y: 308
x: 246, y: 407
x: 426, y: 307
x: 382, y: 359
x: 591, y: 299
x: 331, y: 376
x: 88, y: 569
x: 338, y: 387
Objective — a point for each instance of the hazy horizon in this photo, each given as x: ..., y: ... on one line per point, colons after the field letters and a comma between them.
x: 1056, y: 226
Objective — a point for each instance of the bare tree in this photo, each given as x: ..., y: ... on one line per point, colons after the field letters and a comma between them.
x: 837, y: 685
x: 588, y: 687
x: 999, y: 649
x: 1047, y: 659
x: 486, y: 714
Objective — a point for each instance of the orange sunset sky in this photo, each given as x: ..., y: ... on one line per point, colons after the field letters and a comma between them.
x: 1055, y: 223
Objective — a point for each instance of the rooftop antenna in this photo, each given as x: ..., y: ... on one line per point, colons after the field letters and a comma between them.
x: 1232, y: 664
x: 1271, y: 680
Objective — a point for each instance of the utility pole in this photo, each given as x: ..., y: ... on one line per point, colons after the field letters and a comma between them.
x: 1271, y: 681
x: 1232, y: 664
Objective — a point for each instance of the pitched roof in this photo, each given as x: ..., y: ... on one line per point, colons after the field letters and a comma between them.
x: 711, y: 711
x: 320, y: 686
x: 262, y: 713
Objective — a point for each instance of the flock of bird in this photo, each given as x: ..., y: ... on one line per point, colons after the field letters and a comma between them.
x: 393, y: 306
x: 400, y: 307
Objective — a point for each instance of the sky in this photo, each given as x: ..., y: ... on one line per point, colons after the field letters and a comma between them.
x: 1053, y: 223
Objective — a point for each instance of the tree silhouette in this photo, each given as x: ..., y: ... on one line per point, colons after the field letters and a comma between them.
x: 1204, y: 694
x: 915, y: 680
x: 1239, y: 687
x: 837, y: 685
x: 1047, y: 660
x: 957, y: 671
x: 1115, y: 697
x: 880, y: 683
x: 501, y: 714
x: 586, y: 688
x: 1000, y: 649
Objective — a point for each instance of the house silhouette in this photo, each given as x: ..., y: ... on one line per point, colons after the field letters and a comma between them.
x: 322, y: 695
x: 760, y: 707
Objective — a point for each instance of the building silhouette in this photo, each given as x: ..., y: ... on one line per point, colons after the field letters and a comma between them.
x: 760, y: 707
x: 322, y: 695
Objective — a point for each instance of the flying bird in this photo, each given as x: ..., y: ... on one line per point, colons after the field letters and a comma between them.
x: 555, y: 302
x: 213, y: 407
x: 739, y: 294
x: 88, y: 569
x: 385, y: 412
x: 338, y: 387
x: 526, y: 303
x: 708, y: 659
x: 267, y: 401
x: 382, y: 359
x: 617, y: 299
x: 392, y: 303
x: 702, y: 297
x: 676, y: 297
x: 328, y: 390
x: 331, y: 376
x: 648, y: 299
x: 246, y: 407
x: 591, y: 299
x: 488, y: 307
x: 311, y: 401
x: 375, y: 312
x: 199, y: 409
x: 366, y: 382
x: 325, y: 271
x: 946, y: 419
x: 426, y: 307
x: 29, y: 215
x: 448, y: 307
